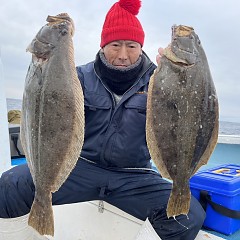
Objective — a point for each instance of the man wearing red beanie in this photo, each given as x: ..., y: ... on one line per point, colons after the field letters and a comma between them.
x: 114, y: 164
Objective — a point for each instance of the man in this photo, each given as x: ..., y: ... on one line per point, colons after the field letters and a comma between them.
x: 114, y: 163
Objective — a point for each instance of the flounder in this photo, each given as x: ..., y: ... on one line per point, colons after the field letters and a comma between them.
x: 52, y: 124
x: 182, y: 115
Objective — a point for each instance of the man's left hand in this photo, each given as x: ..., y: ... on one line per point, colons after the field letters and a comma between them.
x: 160, y: 54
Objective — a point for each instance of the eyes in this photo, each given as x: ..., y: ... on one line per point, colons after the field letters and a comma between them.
x: 118, y: 44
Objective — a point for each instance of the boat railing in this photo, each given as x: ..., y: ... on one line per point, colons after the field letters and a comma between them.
x: 229, y: 139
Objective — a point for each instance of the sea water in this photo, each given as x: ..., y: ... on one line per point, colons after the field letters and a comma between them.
x: 226, y: 128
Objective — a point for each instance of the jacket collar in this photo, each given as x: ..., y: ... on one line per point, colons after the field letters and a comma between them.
x: 147, y: 63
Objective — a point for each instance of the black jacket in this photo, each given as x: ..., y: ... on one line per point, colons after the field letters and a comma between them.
x: 115, y: 134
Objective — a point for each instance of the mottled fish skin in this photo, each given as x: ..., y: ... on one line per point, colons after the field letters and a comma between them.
x: 182, y: 115
x: 52, y: 124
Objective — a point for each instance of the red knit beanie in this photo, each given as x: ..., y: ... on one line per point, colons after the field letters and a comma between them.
x: 121, y: 23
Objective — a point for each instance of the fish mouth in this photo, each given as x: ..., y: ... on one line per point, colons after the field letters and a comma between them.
x: 59, y: 19
x: 62, y: 17
x: 181, y: 31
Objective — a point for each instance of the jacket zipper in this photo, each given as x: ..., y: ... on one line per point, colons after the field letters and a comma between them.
x: 104, y: 142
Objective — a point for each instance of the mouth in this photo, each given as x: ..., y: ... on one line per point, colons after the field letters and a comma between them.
x: 60, y: 18
x: 181, y: 31
x: 120, y: 66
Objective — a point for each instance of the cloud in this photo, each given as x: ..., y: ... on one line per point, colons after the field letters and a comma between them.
x: 216, y: 23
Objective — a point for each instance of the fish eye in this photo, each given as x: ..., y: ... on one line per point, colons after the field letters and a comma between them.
x: 64, y: 32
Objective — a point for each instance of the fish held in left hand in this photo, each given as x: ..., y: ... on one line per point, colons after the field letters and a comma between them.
x: 182, y: 115
x: 52, y: 124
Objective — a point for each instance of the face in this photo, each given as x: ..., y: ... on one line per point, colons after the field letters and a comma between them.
x: 122, y: 53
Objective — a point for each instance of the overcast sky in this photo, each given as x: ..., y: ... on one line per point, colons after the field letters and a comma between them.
x: 217, y: 22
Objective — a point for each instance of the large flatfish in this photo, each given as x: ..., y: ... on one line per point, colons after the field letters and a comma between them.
x: 52, y: 124
x: 182, y: 115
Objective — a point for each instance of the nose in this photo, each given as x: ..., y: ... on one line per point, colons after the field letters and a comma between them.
x: 122, y: 55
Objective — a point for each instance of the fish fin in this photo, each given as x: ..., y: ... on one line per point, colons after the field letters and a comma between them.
x: 179, y: 201
x: 151, y: 139
x: 41, y: 214
x: 210, y: 147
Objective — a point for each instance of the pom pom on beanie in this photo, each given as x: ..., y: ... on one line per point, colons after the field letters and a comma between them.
x: 132, y: 6
x: 121, y: 23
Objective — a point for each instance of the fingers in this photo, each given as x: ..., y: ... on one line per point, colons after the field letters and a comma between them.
x: 158, y: 59
x: 160, y: 54
x: 160, y: 51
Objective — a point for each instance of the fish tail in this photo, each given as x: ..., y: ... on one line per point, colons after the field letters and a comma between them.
x: 41, y: 214
x: 179, y: 201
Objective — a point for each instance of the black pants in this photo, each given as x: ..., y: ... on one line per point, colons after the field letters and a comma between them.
x: 141, y: 193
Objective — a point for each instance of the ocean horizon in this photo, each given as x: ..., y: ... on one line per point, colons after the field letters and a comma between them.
x: 225, y: 127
